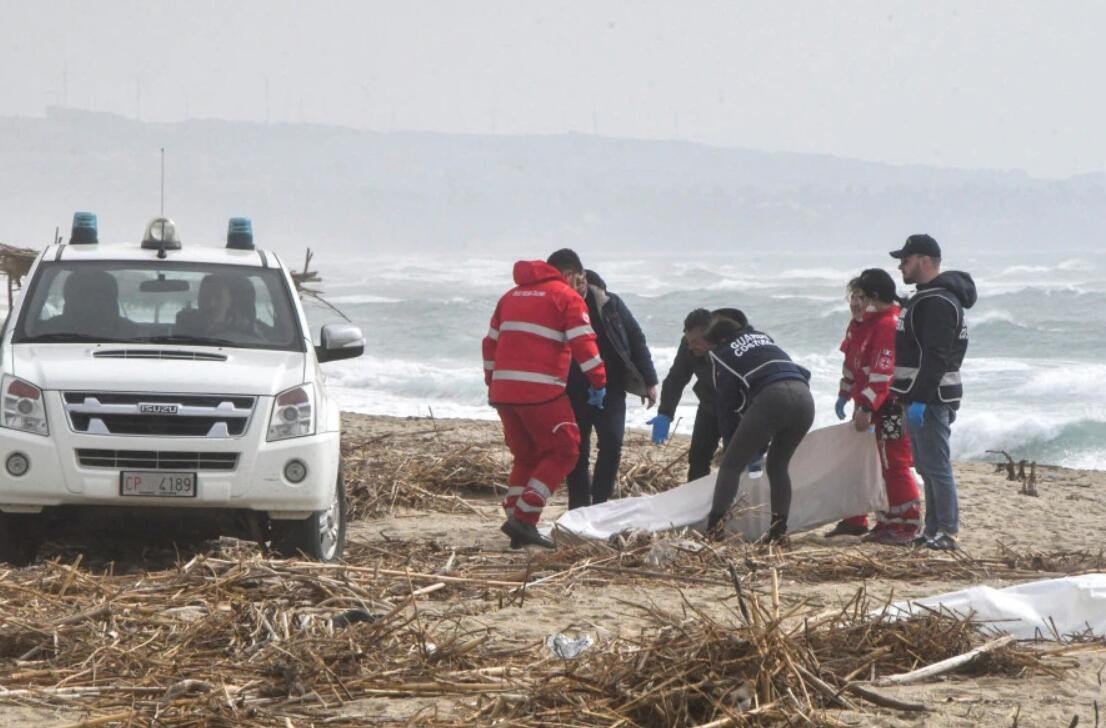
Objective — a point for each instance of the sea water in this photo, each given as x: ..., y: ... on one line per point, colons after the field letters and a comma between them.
x: 1034, y: 377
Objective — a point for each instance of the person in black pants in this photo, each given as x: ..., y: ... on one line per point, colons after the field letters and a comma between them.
x: 763, y: 401
x: 692, y: 360
x: 625, y: 354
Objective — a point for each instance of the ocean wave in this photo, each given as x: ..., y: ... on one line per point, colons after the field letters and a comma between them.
x: 363, y: 298
x: 1078, y: 382
x: 837, y: 275
x: 1076, y: 264
x: 1077, y: 443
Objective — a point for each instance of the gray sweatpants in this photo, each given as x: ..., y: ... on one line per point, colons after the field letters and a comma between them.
x: 781, y: 414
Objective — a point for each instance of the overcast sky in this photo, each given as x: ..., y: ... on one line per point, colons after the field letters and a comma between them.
x: 1006, y: 85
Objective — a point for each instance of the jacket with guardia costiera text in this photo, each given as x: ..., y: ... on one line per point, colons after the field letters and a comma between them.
x: 745, y: 364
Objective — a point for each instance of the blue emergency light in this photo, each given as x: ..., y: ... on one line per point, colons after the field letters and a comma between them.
x: 240, y: 234
x: 84, y: 229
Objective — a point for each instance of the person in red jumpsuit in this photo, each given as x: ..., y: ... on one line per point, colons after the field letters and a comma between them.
x: 537, y: 328
x: 869, y: 349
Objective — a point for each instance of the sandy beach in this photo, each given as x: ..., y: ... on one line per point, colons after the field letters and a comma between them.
x: 1007, y: 537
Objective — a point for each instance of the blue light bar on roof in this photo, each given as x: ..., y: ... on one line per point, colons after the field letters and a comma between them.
x: 84, y: 229
x: 240, y: 234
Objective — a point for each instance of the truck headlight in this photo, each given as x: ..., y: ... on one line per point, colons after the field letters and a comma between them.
x: 23, y: 407
x: 293, y: 414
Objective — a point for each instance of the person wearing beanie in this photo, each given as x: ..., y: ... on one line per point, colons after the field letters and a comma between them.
x: 930, y: 344
x: 869, y: 349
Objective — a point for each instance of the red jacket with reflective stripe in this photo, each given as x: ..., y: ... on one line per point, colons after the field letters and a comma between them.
x: 869, y: 348
x: 537, y: 327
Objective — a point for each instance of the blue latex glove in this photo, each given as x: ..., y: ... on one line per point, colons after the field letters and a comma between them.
x: 595, y: 396
x: 660, y: 424
x: 915, y: 411
x: 839, y: 408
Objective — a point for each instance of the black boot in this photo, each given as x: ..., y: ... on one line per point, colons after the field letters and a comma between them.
x: 515, y: 543
x: 776, y: 534
x: 525, y: 534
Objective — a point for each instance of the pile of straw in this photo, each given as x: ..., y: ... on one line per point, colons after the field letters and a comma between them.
x: 249, y: 642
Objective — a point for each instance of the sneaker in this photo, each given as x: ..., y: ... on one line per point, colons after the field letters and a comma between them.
x: 844, y: 528
x: 943, y: 542
x: 526, y: 534
x: 889, y: 537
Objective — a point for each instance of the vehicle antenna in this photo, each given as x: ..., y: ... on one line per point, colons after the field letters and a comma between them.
x: 163, y: 181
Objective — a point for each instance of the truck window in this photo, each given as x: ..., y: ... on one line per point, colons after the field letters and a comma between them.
x: 159, y: 303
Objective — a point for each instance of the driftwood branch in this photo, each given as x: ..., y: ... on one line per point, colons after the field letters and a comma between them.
x: 940, y: 668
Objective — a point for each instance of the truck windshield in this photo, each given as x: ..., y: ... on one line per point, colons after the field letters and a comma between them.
x: 157, y: 303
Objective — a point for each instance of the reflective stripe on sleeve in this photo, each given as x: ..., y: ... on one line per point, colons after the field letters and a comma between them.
x: 579, y: 331
x: 590, y: 364
x: 489, y: 365
x: 493, y: 333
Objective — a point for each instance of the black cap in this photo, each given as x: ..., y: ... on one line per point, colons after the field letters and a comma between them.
x: 918, y: 244
x: 877, y: 283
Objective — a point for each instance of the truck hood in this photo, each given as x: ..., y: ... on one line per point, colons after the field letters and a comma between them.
x: 185, y: 370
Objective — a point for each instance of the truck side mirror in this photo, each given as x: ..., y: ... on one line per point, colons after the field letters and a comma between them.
x: 339, y: 341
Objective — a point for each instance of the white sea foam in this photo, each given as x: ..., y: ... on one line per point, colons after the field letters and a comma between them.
x: 1047, y: 409
x: 363, y: 298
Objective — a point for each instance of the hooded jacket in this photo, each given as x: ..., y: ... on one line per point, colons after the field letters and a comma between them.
x: 932, y: 339
x: 869, y: 348
x: 744, y: 365
x: 621, y: 344
x: 537, y: 328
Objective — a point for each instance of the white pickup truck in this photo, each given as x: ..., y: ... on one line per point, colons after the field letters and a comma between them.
x: 158, y: 376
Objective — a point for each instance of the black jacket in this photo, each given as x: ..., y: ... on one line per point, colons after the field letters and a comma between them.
x: 743, y: 366
x: 932, y: 340
x: 684, y: 366
x: 622, y: 346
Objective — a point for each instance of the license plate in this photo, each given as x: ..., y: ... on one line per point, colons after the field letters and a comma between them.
x: 157, y: 484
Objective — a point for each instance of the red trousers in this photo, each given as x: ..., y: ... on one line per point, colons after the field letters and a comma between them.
x: 904, y: 501
x: 545, y: 443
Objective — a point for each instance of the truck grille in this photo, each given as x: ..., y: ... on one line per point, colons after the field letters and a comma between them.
x: 170, y: 415
x: 157, y: 460
x: 159, y: 354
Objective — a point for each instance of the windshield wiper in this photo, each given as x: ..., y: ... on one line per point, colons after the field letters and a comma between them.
x: 186, y: 339
x: 70, y: 338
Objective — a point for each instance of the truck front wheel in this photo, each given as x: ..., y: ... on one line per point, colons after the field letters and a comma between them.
x: 20, y: 537
x: 321, y: 536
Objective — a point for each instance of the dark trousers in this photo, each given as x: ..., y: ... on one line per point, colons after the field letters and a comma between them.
x: 781, y: 414
x: 609, y: 423
x: 704, y: 441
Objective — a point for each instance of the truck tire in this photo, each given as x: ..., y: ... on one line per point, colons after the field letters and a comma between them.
x: 320, y: 537
x: 20, y: 537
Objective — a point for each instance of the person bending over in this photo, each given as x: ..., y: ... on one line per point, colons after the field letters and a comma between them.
x: 763, y: 401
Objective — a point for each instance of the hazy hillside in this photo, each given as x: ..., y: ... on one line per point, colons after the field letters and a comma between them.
x: 409, y: 191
